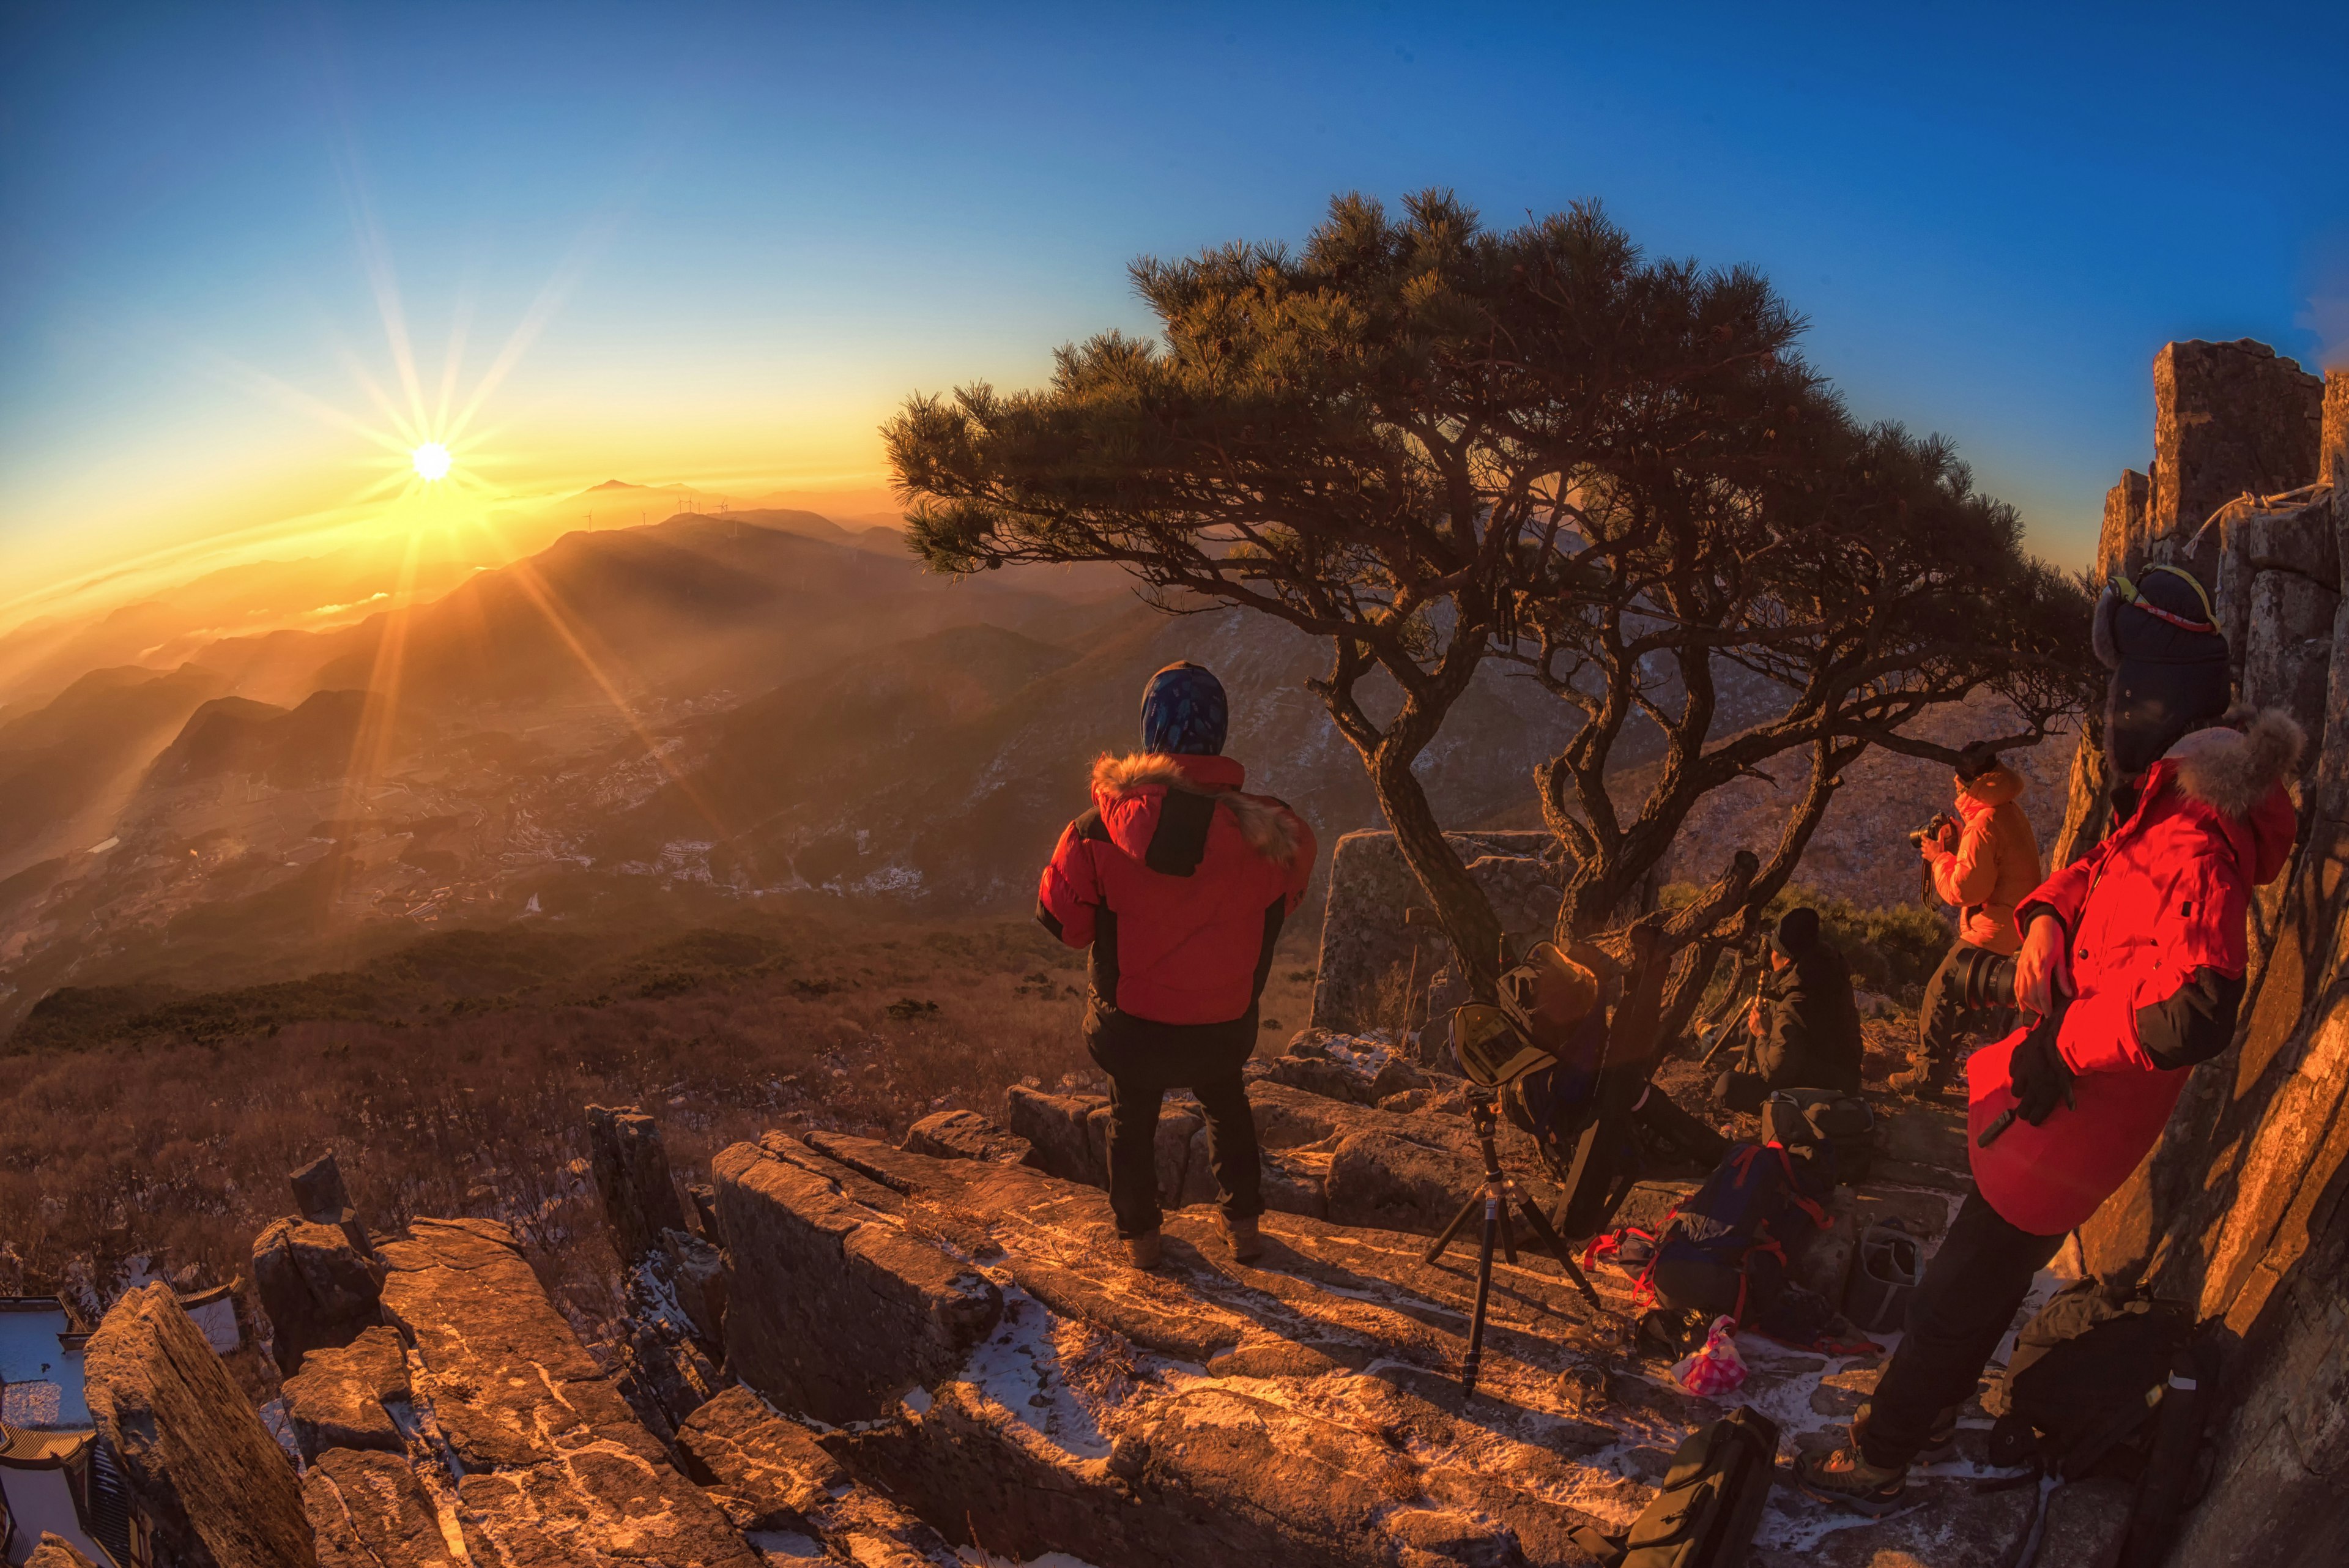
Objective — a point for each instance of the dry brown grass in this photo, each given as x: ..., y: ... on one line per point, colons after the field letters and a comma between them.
x: 178, y: 1152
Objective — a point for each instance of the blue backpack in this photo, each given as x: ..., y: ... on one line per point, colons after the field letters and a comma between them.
x: 1723, y: 1250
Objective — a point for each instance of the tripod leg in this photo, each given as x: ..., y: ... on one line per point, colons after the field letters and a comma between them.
x: 1459, y: 1223
x: 1508, y: 1237
x: 1484, y: 1294
x: 1559, y: 1249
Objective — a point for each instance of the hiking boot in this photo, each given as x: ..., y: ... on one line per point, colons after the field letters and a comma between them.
x: 1247, y: 1241
x: 1146, y: 1250
x: 1939, y: 1440
x: 1846, y: 1479
x: 1921, y: 1081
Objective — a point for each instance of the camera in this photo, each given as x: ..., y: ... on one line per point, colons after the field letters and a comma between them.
x: 1491, y: 1048
x: 1942, y: 822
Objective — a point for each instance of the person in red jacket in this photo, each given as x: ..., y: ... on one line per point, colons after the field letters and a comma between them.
x: 2131, y: 973
x: 1178, y: 882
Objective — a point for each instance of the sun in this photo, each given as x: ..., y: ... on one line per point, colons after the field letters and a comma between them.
x: 431, y: 460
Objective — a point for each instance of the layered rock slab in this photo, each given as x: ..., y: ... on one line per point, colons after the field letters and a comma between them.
x: 773, y: 1475
x: 553, y: 1466
x: 1325, y: 1157
x: 343, y: 1399
x: 369, y: 1510
x: 319, y: 1284
x: 221, y: 1493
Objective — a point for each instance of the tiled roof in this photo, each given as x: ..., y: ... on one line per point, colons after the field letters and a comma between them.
x: 19, y: 1446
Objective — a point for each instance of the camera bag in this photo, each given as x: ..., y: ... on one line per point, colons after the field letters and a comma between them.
x: 1705, y: 1513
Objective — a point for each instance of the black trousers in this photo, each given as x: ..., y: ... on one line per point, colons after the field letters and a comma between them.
x: 1960, y: 1312
x: 1140, y: 1070
x: 1943, y: 1014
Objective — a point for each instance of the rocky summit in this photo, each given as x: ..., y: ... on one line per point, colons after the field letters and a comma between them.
x: 905, y: 1355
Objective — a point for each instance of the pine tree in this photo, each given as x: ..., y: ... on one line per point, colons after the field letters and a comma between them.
x: 1435, y: 445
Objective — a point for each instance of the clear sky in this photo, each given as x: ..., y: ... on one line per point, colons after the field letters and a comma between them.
x: 718, y: 245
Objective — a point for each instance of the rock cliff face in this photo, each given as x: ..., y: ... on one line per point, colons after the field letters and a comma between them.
x: 2241, y: 1207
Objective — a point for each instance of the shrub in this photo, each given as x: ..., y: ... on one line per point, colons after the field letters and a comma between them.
x: 1892, y: 948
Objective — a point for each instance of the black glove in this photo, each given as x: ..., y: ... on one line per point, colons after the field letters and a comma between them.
x: 2038, y: 1073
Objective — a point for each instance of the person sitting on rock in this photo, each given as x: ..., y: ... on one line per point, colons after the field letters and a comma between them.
x: 1179, y: 883
x: 1805, y: 1024
x: 2131, y: 973
x: 1984, y: 864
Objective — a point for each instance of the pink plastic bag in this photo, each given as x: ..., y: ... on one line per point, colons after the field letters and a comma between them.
x: 1717, y: 1368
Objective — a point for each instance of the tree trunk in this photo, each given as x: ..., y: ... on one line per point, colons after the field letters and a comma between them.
x: 1466, y: 914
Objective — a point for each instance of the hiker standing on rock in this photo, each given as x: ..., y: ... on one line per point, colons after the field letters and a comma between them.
x: 1179, y: 884
x: 1985, y: 863
x: 1804, y: 1022
x: 2131, y: 972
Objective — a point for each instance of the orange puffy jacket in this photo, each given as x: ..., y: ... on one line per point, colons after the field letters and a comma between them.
x: 2154, y: 926
x: 1994, y: 864
x: 1179, y: 883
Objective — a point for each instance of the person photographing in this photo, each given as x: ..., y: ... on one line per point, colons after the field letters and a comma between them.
x: 1178, y: 882
x: 2130, y: 972
x: 1983, y: 860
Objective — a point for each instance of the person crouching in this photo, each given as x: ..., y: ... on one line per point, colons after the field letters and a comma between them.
x: 1179, y: 883
x: 1804, y: 1022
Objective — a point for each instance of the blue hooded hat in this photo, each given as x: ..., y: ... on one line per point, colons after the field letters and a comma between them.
x: 1184, y: 712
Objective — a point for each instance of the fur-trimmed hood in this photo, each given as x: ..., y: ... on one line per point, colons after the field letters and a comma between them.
x: 1266, y: 824
x: 2231, y: 771
x: 1993, y: 787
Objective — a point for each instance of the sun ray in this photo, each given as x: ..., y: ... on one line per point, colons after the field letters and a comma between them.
x: 524, y: 574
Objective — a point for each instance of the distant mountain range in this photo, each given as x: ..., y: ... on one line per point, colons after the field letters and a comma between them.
x: 766, y: 703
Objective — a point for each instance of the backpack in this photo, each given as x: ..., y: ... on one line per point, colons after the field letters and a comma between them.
x: 1722, y: 1251
x: 1711, y: 1503
x: 1836, y: 1132
x: 2090, y: 1374
x: 1590, y: 1145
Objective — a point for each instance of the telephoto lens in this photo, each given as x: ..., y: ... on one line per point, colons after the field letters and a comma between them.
x: 1989, y: 980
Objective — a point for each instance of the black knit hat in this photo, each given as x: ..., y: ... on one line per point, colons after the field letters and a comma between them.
x: 1798, y: 932
x: 2168, y: 661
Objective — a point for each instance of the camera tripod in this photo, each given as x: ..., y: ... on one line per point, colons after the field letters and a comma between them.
x: 1500, y: 1190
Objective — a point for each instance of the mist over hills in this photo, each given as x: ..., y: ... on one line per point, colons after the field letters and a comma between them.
x: 706, y: 710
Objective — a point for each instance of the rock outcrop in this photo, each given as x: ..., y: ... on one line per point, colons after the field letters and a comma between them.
x: 221, y: 1491
x: 673, y: 1280
x: 370, y: 1510
x: 552, y: 1464
x: 2228, y: 418
x: 1369, y: 956
x: 344, y: 1398
x: 770, y: 1474
x: 809, y: 1259
x: 1365, y: 1069
x: 966, y: 1135
x: 632, y: 1175
x: 1325, y: 1157
x: 316, y: 1271
x: 56, y: 1552
x: 966, y: 1330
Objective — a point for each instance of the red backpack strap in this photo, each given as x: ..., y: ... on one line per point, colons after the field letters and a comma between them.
x: 1794, y: 1191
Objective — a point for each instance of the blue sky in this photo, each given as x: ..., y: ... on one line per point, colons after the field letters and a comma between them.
x: 743, y: 235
